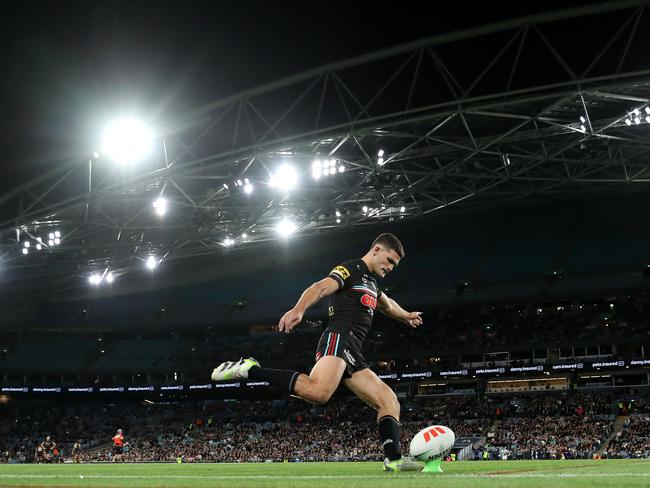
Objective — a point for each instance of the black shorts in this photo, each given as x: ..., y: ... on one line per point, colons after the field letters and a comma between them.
x: 118, y: 449
x: 344, y: 345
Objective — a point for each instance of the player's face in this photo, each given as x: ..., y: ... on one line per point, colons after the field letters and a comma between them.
x: 385, y: 260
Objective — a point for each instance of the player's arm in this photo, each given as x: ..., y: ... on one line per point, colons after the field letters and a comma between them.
x: 309, y: 297
x: 391, y: 308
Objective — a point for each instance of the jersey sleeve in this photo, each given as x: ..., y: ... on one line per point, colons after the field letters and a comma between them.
x: 341, y: 275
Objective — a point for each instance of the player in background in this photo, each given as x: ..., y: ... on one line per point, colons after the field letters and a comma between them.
x: 47, y: 449
x: 353, y: 297
x: 118, y: 446
x: 76, y: 452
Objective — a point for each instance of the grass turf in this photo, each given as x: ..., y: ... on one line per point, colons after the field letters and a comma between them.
x: 493, y: 474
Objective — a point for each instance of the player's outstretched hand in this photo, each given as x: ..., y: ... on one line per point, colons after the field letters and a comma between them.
x: 414, y: 319
x: 289, y: 320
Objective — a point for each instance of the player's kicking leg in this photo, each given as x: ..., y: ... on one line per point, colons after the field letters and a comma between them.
x: 317, y: 387
x: 377, y: 394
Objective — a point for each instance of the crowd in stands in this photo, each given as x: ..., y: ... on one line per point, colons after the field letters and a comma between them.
x: 529, y: 427
x: 471, y: 330
x: 633, y: 441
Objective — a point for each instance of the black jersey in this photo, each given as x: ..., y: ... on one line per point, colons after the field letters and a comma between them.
x: 353, y: 306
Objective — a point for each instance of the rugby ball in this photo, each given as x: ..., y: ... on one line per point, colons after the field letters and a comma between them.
x: 432, y: 442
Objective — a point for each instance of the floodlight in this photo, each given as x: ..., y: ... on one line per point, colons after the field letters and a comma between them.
x: 365, y: 209
x: 51, y: 235
x: 647, y: 110
x: 25, y: 250
x: 152, y: 262
x: 228, y: 242
x: 637, y: 120
x: 244, y: 236
x: 285, y: 228
x: 57, y: 233
x: 160, y: 204
x: 326, y: 163
x: 338, y: 221
x: 248, y: 188
x: 402, y: 209
x: 285, y: 178
x: 50, y: 242
x: 341, y: 169
x: 628, y: 121
x: 38, y: 247
x: 109, y: 277
x: 338, y: 214
x: 127, y: 141
x: 57, y: 241
x: 326, y: 171
x: 94, y: 279
x: 316, y: 169
x: 636, y: 111
x: 582, y: 119
x: 380, y: 153
x: 380, y: 161
x: 26, y: 243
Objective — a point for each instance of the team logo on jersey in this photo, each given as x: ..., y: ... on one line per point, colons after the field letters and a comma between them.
x: 342, y: 272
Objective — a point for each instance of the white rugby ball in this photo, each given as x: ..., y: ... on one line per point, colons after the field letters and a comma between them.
x: 432, y: 442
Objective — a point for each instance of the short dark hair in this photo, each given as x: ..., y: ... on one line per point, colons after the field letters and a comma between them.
x: 390, y: 241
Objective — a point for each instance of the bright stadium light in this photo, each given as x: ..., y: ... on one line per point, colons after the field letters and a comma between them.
x: 57, y: 233
x: 248, y: 188
x: 228, y: 242
x: 284, y: 178
x: 152, y: 262
x: 127, y: 141
x: 160, y: 204
x: 25, y: 250
x: 286, y: 227
x: 57, y: 241
x: 39, y: 247
x: 109, y: 277
x: 51, y: 235
x: 94, y: 279
x: 26, y: 244
x: 316, y: 169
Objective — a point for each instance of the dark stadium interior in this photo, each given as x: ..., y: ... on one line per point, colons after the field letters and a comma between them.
x: 532, y: 275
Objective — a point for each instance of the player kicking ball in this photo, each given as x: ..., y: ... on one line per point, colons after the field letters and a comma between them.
x: 354, y: 296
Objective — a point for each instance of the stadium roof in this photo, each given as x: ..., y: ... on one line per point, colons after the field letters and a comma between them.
x: 544, y: 105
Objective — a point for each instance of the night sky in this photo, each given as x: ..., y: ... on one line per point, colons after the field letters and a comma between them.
x: 66, y: 65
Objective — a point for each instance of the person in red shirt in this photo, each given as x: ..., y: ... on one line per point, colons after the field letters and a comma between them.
x: 118, y: 446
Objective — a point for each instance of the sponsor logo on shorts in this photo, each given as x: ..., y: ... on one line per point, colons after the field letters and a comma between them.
x: 349, y: 356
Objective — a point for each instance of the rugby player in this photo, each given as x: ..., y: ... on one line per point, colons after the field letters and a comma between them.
x: 118, y: 445
x: 47, y: 447
x: 353, y: 297
x: 76, y: 452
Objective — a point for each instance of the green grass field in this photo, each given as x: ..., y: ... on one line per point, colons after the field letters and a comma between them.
x: 527, y: 474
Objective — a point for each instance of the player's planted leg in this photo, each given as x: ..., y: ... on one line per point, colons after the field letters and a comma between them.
x: 377, y: 394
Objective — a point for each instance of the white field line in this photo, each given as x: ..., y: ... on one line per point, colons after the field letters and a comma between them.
x: 334, y: 477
